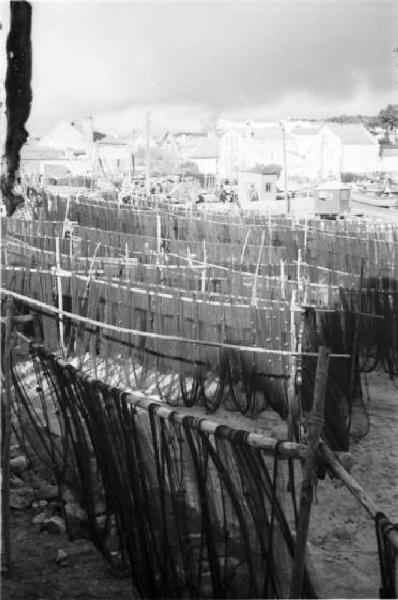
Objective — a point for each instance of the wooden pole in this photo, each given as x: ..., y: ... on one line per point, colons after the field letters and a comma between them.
x: 315, y: 429
x: 254, y: 291
x: 60, y: 298
x: 204, y: 271
x: 147, y: 156
x: 6, y: 406
x: 292, y: 404
x: 282, y: 277
x: 287, y: 199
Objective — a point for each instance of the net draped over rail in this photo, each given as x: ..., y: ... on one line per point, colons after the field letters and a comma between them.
x: 186, y: 373
x: 197, y: 514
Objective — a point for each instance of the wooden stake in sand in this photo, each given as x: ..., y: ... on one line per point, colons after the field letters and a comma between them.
x: 59, y: 293
x: 291, y: 389
x: 315, y: 429
x: 5, y: 446
x: 254, y: 292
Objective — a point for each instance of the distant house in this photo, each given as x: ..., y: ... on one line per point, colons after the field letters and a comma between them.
x: 389, y: 158
x: 112, y: 155
x: 69, y: 136
x: 303, y: 142
x: 257, y: 187
x: 356, y: 150
x: 206, y: 156
x: 314, y: 150
x: 244, y: 145
x: 43, y: 160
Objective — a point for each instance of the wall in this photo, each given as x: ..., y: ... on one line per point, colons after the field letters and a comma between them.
x: 206, y: 166
x: 114, y: 158
x: 360, y: 159
x: 389, y: 164
x: 257, y: 181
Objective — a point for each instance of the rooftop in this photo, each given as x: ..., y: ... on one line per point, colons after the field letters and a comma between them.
x: 36, y: 152
x: 207, y: 148
x: 112, y: 141
x: 352, y: 134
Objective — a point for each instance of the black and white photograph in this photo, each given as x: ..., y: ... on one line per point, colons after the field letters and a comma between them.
x: 199, y: 299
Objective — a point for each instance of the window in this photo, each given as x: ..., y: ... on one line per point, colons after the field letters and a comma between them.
x: 268, y: 187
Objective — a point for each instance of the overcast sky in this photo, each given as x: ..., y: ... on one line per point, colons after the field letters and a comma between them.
x: 189, y: 60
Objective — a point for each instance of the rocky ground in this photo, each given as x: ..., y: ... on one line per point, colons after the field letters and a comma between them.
x: 47, y: 565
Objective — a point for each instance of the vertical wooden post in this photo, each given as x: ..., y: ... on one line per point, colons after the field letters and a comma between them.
x: 5, y: 455
x: 282, y: 277
x: 204, y: 271
x: 292, y: 369
x: 158, y: 238
x: 315, y: 429
x: 64, y: 224
x: 305, y: 234
x: 244, y: 247
x: 59, y: 293
x: 254, y: 291
x: 147, y: 156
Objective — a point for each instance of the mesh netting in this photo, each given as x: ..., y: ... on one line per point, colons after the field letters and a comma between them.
x: 195, y: 513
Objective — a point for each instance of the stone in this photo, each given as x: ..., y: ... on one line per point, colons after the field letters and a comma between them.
x: 39, y: 505
x: 19, y: 464
x: 341, y: 532
x: 16, y: 482
x: 15, y: 450
x: 21, y: 498
x: 101, y: 520
x: 43, y: 489
x: 68, y: 496
x: 54, y: 525
x: 100, y: 507
x: 61, y: 558
x: 40, y: 518
x: 74, y: 512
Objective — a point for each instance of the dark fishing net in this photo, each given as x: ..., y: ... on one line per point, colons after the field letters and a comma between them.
x: 186, y: 374
x: 388, y: 556
x: 345, y: 409
x: 194, y: 513
x: 379, y: 338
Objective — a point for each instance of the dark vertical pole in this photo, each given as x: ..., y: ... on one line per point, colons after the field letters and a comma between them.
x: 5, y: 454
x: 315, y: 429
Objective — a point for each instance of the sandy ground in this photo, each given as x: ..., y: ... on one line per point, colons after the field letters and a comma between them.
x: 343, y: 540
x: 342, y: 536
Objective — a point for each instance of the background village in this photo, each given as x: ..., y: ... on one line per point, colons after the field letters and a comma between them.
x: 250, y: 164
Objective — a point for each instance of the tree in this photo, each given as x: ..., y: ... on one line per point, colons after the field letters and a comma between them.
x: 18, y: 96
x: 389, y: 117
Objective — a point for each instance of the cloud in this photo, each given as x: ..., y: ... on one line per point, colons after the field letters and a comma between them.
x: 110, y: 57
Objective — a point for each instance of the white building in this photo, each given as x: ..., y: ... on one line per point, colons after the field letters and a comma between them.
x: 206, y: 155
x: 357, y: 149
x: 314, y: 150
x: 245, y: 145
x: 112, y: 155
x: 389, y: 159
x: 257, y: 187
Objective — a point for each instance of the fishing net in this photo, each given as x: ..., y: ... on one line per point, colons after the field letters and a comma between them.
x: 388, y: 556
x: 185, y: 373
x: 193, y: 512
